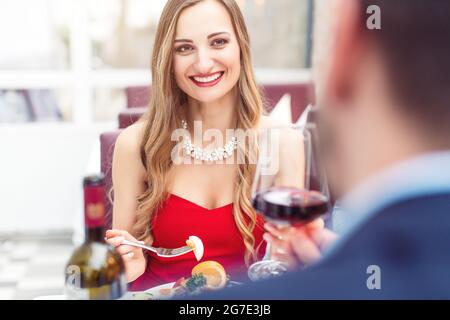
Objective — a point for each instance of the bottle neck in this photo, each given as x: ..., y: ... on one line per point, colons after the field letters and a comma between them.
x: 96, y: 234
x: 94, y: 213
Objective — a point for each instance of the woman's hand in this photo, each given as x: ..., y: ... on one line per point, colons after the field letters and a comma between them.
x: 134, y: 259
x: 300, y: 245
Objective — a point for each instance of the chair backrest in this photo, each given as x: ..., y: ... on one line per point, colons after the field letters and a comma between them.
x: 107, y: 143
x: 130, y: 116
x: 138, y: 96
x: 301, y: 94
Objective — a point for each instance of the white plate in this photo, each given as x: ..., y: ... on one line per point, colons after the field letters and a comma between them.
x: 155, y: 293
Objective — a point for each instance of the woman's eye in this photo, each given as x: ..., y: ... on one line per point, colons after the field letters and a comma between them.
x: 219, y: 42
x: 183, y: 49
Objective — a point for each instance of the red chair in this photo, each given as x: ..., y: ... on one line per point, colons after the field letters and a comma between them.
x: 130, y: 116
x: 138, y: 99
x: 301, y: 94
x: 138, y: 96
x: 107, y: 143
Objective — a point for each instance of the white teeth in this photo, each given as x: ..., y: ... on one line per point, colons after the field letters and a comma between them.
x: 208, y: 79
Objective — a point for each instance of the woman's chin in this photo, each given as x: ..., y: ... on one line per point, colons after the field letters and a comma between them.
x: 211, y: 96
x: 208, y: 98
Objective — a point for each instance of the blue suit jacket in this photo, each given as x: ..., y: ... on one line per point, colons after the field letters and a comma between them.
x: 410, y: 243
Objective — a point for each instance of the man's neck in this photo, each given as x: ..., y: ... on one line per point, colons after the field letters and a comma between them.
x: 385, y: 145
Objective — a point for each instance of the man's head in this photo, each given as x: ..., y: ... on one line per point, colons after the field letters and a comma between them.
x: 385, y: 93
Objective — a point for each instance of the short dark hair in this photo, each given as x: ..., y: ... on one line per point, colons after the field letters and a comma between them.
x: 415, y: 40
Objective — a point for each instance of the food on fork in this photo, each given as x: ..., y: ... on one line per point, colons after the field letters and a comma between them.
x: 197, y: 245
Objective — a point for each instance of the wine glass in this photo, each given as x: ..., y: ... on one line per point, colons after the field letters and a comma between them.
x: 289, y: 187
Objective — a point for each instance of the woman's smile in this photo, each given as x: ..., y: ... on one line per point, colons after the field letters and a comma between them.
x: 208, y: 80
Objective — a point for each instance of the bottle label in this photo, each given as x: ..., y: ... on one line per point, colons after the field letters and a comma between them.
x: 94, y: 207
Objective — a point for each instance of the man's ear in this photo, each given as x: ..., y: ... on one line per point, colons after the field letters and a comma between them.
x: 345, y: 57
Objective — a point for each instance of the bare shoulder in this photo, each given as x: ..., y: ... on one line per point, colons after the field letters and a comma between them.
x: 127, y: 150
x: 130, y: 138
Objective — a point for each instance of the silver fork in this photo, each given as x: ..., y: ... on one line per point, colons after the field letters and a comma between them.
x: 161, y: 252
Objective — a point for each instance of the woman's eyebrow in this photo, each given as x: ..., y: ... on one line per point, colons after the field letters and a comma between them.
x: 217, y: 33
x: 183, y: 40
x: 209, y: 36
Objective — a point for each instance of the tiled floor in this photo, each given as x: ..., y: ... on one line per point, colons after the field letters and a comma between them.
x: 31, y: 268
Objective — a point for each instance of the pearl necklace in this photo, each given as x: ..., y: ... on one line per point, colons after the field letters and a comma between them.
x: 217, y: 154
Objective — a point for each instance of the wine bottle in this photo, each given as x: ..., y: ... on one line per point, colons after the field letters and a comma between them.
x: 95, y: 271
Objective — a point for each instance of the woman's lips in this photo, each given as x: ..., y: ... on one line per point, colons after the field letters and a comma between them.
x: 210, y: 83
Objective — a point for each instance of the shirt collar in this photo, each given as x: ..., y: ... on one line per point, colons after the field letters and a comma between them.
x: 425, y: 174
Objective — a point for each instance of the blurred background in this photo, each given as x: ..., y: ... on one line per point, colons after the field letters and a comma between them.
x: 68, y: 69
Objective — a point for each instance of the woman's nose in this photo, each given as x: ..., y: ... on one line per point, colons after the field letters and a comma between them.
x: 205, y: 62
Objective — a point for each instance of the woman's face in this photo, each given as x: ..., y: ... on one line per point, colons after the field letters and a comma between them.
x: 206, y: 52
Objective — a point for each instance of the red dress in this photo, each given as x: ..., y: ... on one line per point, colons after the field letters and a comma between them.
x: 180, y: 218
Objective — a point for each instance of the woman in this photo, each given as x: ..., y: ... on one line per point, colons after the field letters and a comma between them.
x: 201, y: 71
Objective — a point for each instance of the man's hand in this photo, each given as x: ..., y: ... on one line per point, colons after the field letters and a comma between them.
x: 299, y: 245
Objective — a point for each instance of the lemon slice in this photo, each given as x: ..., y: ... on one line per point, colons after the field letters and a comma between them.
x: 197, y: 245
x: 216, y: 277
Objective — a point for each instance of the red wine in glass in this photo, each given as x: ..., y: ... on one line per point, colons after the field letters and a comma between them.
x: 292, y: 205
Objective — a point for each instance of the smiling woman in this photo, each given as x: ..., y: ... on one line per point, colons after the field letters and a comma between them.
x: 201, y: 71
x: 210, y: 56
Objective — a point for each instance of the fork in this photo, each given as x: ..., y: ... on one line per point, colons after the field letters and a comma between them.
x: 161, y: 252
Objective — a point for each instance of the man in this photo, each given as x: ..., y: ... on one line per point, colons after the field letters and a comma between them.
x: 385, y: 97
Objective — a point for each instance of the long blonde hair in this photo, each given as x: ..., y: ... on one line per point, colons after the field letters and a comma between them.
x: 164, y: 116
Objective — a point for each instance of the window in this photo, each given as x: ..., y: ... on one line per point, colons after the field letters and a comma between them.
x: 79, y: 55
